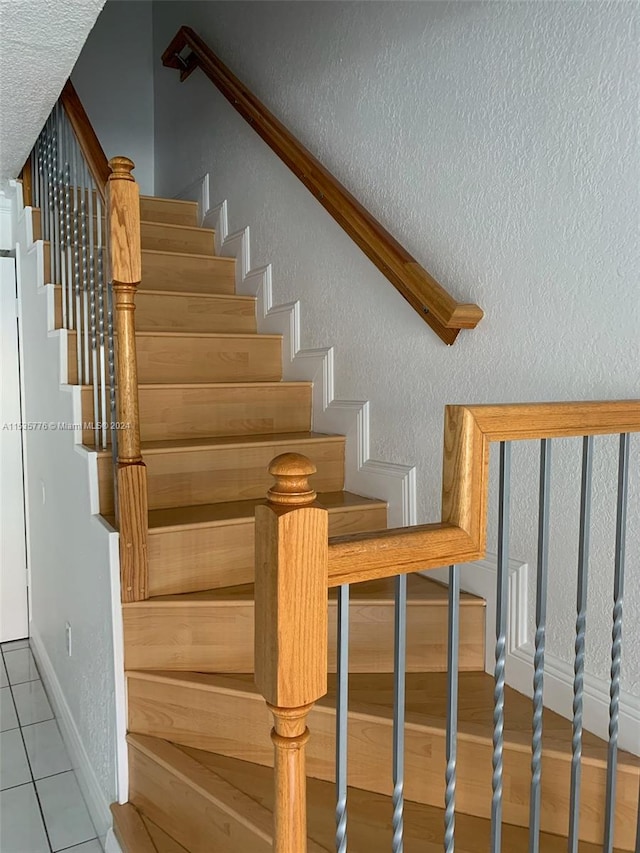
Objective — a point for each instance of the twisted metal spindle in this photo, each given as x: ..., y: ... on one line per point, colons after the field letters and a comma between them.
x: 538, y: 658
x: 76, y: 259
x: 616, y: 645
x: 581, y: 627
x: 342, y: 718
x: 504, y: 497
x: 452, y: 710
x: 84, y: 237
x: 399, y: 702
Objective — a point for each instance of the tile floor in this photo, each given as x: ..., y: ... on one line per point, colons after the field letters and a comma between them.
x: 41, y: 807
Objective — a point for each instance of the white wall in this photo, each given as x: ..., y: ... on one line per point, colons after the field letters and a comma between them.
x: 14, y: 617
x: 498, y: 142
x: 72, y: 552
x: 114, y: 78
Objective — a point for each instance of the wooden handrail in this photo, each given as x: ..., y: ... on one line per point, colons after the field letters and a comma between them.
x: 86, y: 136
x: 438, y: 308
x: 461, y: 535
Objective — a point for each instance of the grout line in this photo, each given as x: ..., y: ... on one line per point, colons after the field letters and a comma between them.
x: 24, y: 746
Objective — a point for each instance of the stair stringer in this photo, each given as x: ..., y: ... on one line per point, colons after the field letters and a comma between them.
x: 389, y: 481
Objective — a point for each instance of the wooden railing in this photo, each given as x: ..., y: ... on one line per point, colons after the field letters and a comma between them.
x: 433, y: 303
x: 70, y: 215
x: 295, y: 566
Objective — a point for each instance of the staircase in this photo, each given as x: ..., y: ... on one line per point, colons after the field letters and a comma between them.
x: 214, y: 411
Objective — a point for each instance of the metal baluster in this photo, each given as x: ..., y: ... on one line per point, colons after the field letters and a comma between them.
x: 76, y: 258
x: 502, y: 602
x: 49, y: 217
x: 452, y: 709
x: 35, y: 173
x: 538, y: 659
x: 616, y: 645
x: 93, y: 319
x: 637, y: 848
x: 67, y: 295
x: 84, y: 226
x: 399, y: 697
x: 342, y: 718
x: 62, y: 218
x: 104, y: 417
x: 55, y: 234
x: 112, y: 386
x: 581, y: 627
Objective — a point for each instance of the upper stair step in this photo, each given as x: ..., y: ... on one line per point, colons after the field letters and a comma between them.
x: 190, y: 357
x: 200, y: 471
x: 211, y: 546
x: 181, y: 708
x: 178, y: 311
x: 171, y: 210
x: 204, y: 410
x: 194, y: 273
x: 213, y: 630
x: 168, y: 237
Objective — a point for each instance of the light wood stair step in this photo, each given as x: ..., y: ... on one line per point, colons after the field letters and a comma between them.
x: 213, y: 630
x: 184, y: 357
x: 181, y: 708
x: 186, y: 472
x: 193, y: 273
x: 175, y: 311
x: 130, y: 830
x: 201, y: 410
x: 194, y: 805
x: 171, y: 210
x: 185, y: 239
x: 212, y: 545
x: 175, y: 271
x: 370, y: 816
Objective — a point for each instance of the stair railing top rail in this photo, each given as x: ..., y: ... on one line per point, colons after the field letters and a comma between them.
x: 460, y: 536
x: 436, y: 306
x: 85, y: 134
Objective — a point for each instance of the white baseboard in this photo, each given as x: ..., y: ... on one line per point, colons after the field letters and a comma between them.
x: 387, y: 481
x: 558, y: 696
x: 91, y: 791
x: 111, y: 843
x: 197, y: 191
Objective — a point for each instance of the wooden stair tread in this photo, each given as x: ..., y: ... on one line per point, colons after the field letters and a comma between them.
x: 371, y: 694
x: 164, y: 843
x: 162, y: 520
x: 232, y: 441
x: 369, y: 822
x: 420, y: 590
x: 223, y: 297
x: 217, y: 258
x: 130, y: 830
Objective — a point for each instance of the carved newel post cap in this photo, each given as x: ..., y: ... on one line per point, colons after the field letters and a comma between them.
x: 121, y: 168
x: 291, y: 488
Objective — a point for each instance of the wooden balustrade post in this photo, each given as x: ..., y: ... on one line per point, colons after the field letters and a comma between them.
x: 123, y: 206
x: 291, y: 613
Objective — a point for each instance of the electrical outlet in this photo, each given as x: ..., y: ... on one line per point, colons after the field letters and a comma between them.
x: 67, y: 634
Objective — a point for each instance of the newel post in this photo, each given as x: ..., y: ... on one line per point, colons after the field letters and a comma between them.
x: 123, y: 206
x: 291, y: 614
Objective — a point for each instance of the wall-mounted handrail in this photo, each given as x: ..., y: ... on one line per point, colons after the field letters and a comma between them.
x: 460, y: 536
x: 438, y: 308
